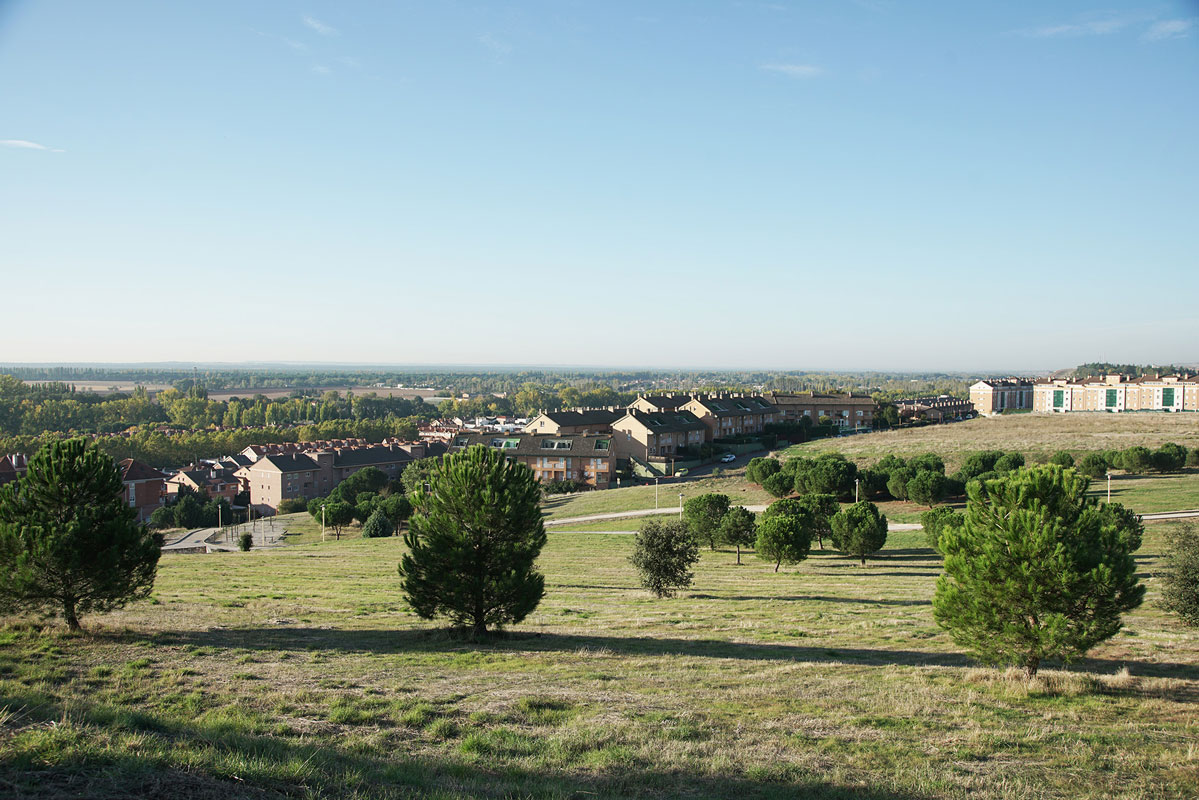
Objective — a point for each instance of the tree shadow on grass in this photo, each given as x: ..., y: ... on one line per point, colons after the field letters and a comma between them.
x: 197, y: 759
x: 410, y: 640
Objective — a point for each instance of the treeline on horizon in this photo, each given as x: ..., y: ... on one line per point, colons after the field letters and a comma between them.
x: 1135, y: 370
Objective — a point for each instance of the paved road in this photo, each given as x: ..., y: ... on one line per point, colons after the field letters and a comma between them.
x: 1170, y: 515
x: 200, y: 538
x: 649, y: 512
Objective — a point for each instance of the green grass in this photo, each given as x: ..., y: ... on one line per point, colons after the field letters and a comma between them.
x: 633, y: 498
x: 301, y: 672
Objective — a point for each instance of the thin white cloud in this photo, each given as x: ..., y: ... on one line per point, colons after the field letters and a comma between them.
x: 497, y: 46
x: 23, y: 144
x: 1097, y: 27
x: 1168, y: 29
x: 319, y: 27
x: 321, y: 69
x: 795, y: 70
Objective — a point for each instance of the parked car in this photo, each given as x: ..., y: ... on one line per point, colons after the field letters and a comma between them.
x: 727, y: 457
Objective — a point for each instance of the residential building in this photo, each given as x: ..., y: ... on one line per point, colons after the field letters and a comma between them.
x: 579, y: 420
x: 213, y: 479
x: 660, y: 402
x: 845, y: 410
x: 996, y: 395
x: 1117, y: 393
x: 143, y: 487
x: 12, y: 466
x: 584, y: 458
x: 644, y: 435
x: 275, y: 477
x: 934, y: 409
x: 731, y: 415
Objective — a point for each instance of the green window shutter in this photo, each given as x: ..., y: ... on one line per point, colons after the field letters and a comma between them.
x: 1168, y: 398
x: 1057, y: 398
x: 1111, y: 398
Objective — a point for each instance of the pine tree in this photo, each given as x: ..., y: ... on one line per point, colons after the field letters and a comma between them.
x: 859, y: 530
x: 68, y: 541
x: 1180, y: 585
x: 738, y: 529
x: 704, y: 514
x: 785, y: 533
x: 472, y: 541
x: 1037, y: 570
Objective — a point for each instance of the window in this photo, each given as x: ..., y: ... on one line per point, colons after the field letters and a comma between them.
x: 1168, y: 398
x: 1058, y: 397
x: 1111, y: 398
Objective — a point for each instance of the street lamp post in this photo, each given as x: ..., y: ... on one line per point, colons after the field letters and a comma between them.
x: 855, y: 489
x: 1109, y: 487
x: 680, y: 505
x: 655, y: 494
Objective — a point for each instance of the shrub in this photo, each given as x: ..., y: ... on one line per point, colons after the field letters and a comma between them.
x: 1169, y: 457
x: 1093, y: 465
x: 377, y: 526
x: 1062, y: 459
x: 859, y: 530
x: 1180, y: 581
x: 937, y: 519
x: 663, y: 555
x: 1136, y: 460
x: 1009, y: 462
x: 292, y: 505
x: 564, y: 487
x: 1036, y: 570
x: 1193, y: 457
x: 473, y: 542
x: 245, y: 542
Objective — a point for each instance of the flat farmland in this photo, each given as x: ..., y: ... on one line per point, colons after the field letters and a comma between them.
x: 301, y: 672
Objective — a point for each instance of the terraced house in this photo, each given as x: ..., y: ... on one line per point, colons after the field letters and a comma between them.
x: 731, y: 415
x: 845, y: 410
x: 580, y: 420
x: 1117, y: 393
x: 644, y: 435
x: 584, y: 458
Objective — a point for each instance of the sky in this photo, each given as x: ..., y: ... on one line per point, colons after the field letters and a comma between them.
x: 787, y: 185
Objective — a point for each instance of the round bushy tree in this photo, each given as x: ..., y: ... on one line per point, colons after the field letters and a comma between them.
x: 473, y: 539
x: 1180, y: 585
x: 780, y: 484
x: 1037, y: 570
x: 663, y: 555
x: 897, y: 484
x: 377, y: 526
x: 1093, y: 465
x: 934, y: 520
x: 69, y: 543
x: 820, y: 509
x: 738, y: 529
x: 859, y: 530
x: 1170, y: 457
x: 1062, y: 459
x: 784, y: 538
x: 926, y: 488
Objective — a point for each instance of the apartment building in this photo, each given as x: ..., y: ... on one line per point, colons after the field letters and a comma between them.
x: 585, y: 458
x: 644, y: 434
x: 996, y: 395
x: 143, y: 487
x: 275, y: 477
x: 934, y: 409
x: 575, y: 421
x: 730, y: 415
x: 214, y: 479
x: 845, y: 410
x: 1117, y: 393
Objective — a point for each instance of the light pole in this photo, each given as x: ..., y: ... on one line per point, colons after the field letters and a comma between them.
x: 1109, y: 487
x: 855, y: 490
x: 322, y: 522
x: 655, y: 494
x: 680, y: 505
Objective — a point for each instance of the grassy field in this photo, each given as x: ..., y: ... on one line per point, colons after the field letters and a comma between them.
x: 300, y: 672
x: 1037, y: 436
x: 632, y: 498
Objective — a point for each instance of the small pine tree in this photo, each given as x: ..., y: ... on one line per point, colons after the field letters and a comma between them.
x: 859, y: 530
x: 377, y: 526
x: 1180, y: 582
x: 663, y: 555
x: 245, y: 542
x: 1062, y: 459
x: 1037, y: 569
x: 935, y: 520
x: 68, y: 541
x: 784, y: 538
x: 738, y: 529
x: 704, y: 514
x: 926, y: 488
x: 473, y: 541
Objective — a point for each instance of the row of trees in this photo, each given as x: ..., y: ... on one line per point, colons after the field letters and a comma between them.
x: 369, y: 497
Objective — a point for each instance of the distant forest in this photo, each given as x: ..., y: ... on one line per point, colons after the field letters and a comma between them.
x: 1135, y: 370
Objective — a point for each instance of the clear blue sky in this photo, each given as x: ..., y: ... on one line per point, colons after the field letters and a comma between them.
x: 866, y: 184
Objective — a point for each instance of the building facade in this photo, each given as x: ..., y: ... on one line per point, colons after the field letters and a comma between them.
x: 935, y: 409
x: 731, y: 415
x: 996, y: 395
x: 644, y: 435
x: 577, y: 421
x: 143, y: 487
x: 584, y: 458
x: 1116, y: 394
x: 851, y: 410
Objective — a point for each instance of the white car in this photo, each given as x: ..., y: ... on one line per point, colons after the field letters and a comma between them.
x: 727, y: 457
